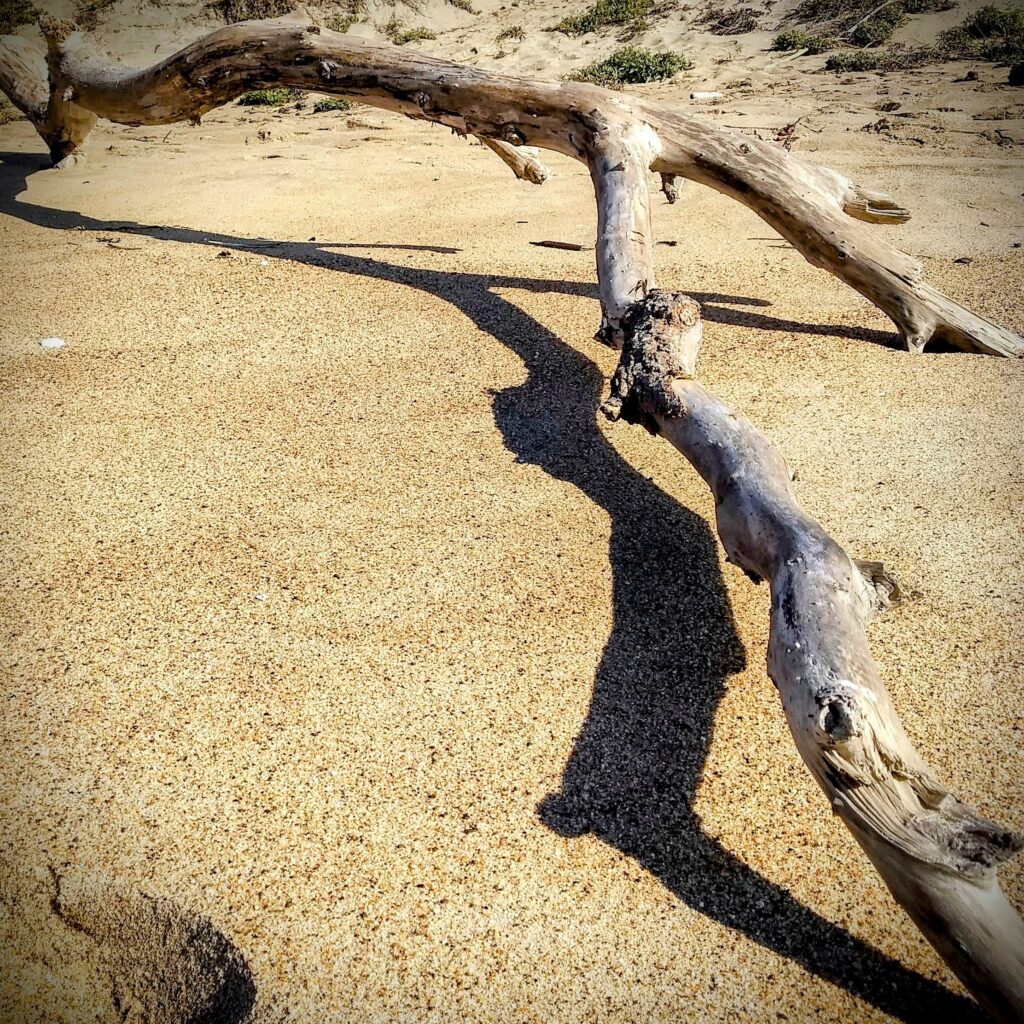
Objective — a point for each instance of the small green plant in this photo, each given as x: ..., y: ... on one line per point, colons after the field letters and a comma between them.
x: 400, y: 36
x: 333, y: 103
x: 351, y: 12
x: 9, y: 112
x: 464, y: 5
x: 14, y: 13
x: 632, y: 13
x: 729, y: 23
x: 412, y: 35
x: 878, y: 28
x: 513, y: 34
x: 253, y: 10
x: 924, y: 6
x: 855, y: 60
x: 630, y: 65
x: 991, y: 33
x: 797, y: 39
x: 270, y: 97
x: 895, y: 59
x: 340, y: 22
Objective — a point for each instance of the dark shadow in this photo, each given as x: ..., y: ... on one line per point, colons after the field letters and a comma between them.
x: 442, y: 249
x: 168, y: 962
x: 16, y: 167
x: 638, y: 758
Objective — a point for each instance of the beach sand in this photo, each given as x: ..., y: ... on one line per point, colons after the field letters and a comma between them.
x: 356, y: 670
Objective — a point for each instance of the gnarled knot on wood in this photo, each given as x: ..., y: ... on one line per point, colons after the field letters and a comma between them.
x: 512, y: 135
x: 844, y: 726
x: 930, y: 823
x: 661, y: 340
x: 837, y: 721
x: 885, y: 589
x: 976, y: 844
x: 670, y: 186
x: 954, y: 837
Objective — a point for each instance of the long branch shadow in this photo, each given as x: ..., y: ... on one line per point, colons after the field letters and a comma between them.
x: 637, y: 761
x: 716, y: 307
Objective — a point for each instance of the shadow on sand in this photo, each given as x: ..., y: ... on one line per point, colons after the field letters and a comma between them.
x: 638, y: 758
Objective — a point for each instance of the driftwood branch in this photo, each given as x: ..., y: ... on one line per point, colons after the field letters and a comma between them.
x: 937, y: 856
x: 63, y: 125
x: 670, y: 186
x: 817, y: 210
x: 523, y: 160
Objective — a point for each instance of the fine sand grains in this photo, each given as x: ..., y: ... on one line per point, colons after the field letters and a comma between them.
x: 341, y: 676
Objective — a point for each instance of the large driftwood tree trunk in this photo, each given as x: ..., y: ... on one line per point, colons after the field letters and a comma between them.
x: 937, y: 856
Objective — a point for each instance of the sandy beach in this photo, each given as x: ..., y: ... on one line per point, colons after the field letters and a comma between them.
x: 351, y: 656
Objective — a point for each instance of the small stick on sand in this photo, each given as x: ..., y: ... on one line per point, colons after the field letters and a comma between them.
x: 571, y: 246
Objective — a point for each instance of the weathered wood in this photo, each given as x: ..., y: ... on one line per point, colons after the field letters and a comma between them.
x: 814, y: 208
x: 522, y: 159
x: 619, y: 154
x: 62, y: 125
x: 22, y: 79
x: 938, y: 858
x: 670, y: 186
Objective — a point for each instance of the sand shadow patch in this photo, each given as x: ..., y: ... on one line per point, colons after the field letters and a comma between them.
x: 166, y: 964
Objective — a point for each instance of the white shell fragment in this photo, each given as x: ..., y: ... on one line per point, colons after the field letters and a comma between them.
x: 52, y: 343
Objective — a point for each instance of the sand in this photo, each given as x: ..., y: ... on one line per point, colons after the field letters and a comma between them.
x: 355, y: 670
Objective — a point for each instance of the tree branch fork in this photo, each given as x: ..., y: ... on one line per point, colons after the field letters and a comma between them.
x: 937, y: 856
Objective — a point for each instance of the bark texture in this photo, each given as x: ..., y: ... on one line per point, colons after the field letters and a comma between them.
x: 937, y: 856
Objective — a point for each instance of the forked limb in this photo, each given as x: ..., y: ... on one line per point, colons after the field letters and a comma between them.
x: 820, y: 212
x: 63, y: 125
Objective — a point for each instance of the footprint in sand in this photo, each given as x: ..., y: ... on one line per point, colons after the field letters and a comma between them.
x: 166, y: 964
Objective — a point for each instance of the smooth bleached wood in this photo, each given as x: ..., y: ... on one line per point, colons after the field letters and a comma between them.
x: 936, y: 855
x: 522, y: 159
